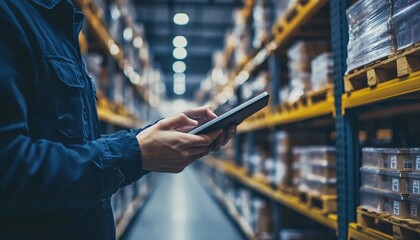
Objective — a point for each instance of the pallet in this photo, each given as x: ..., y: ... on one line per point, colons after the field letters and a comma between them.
x: 293, y: 9
x: 398, y: 228
x: 397, y: 65
x: 320, y: 95
x: 309, y: 99
x: 288, y: 189
x: 324, y: 203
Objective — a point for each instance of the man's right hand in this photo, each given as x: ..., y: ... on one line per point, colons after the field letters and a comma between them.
x: 164, y: 149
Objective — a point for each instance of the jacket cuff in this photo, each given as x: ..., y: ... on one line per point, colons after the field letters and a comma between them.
x: 124, y: 150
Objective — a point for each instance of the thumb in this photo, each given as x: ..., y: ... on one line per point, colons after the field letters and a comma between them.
x: 179, y: 120
x: 213, y: 135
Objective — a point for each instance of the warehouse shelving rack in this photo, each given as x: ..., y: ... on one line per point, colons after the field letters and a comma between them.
x: 329, y: 220
x: 341, y: 106
x: 99, y: 30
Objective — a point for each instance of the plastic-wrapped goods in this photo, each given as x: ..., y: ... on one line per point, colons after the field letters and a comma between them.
x: 401, y: 5
x: 415, y: 156
x: 261, y: 218
x: 371, y: 158
x: 371, y: 199
x: 414, y: 207
x: 387, y: 158
x: 415, y: 183
x: 396, y: 158
x: 300, y: 56
x: 282, y: 166
x: 381, y: 201
x: 406, y: 24
x: 397, y: 205
x: 386, y: 180
x: 284, y: 92
x: 298, y: 154
x: 321, y: 71
x: 319, y: 185
x: 369, y: 34
x: 261, y: 23
x: 317, y: 169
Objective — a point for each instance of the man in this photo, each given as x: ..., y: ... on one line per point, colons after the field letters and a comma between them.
x: 57, y: 173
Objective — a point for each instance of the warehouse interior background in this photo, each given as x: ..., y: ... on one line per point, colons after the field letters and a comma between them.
x: 334, y: 155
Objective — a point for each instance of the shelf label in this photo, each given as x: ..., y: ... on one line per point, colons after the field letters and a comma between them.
x: 418, y: 162
x: 416, y: 186
x: 396, y: 208
x: 395, y: 184
x: 394, y: 162
x: 413, y: 210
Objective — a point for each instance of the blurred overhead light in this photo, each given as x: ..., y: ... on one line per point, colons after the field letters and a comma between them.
x: 113, y: 48
x: 128, y: 34
x: 180, y: 53
x: 179, y: 75
x: 179, y: 83
x: 138, y: 42
x: 180, y: 42
x: 181, y: 18
x: 115, y: 12
x: 179, y: 67
x: 179, y: 88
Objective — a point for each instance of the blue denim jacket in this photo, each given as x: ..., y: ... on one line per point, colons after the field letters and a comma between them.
x: 56, y: 173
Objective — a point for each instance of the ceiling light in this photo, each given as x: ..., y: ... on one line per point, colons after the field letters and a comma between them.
x: 128, y: 34
x: 180, y: 53
x: 115, y: 12
x: 179, y: 67
x: 179, y: 80
x: 113, y: 48
x: 179, y: 42
x: 181, y: 18
x: 179, y: 88
x: 138, y: 42
x: 179, y: 75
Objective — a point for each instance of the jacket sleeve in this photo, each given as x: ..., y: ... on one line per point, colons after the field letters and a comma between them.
x: 41, y: 176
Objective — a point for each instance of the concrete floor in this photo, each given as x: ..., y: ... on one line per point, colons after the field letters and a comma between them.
x: 180, y: 209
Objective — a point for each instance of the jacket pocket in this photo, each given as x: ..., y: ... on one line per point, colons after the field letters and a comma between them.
x: 69, y: 84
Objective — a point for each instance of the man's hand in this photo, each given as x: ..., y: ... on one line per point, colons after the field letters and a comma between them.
x: 166, y: 149
x: 204, y: 114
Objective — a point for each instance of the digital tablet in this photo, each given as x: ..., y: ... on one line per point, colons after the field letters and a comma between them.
x: 234, y: 116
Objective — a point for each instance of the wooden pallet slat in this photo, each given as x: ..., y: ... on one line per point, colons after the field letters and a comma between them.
x: 324, y: 203
x: 388, y: 68
x: 398, y: 228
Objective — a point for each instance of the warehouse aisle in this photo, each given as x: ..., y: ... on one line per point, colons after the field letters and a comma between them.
x: 180, y: 209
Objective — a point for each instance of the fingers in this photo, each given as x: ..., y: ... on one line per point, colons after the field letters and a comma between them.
x: 207, y: 139
x: 204, y: 112
x: 179, y: 166
x: 178, y: 121
x: 230, y: 133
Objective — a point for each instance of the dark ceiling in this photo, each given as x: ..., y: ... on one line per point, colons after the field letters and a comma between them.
x: 208, y: 22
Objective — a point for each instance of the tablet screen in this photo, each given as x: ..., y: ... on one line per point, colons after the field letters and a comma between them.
x: 234, y: 116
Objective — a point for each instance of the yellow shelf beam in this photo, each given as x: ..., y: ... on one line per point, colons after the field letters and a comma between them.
x: 358, y: 233
x: 284, y: 29
x: 382, y: 91
x: 293, y: 202
x: 272, y: 119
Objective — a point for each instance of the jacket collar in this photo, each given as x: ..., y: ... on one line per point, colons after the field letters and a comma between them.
x: 49, y: 4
